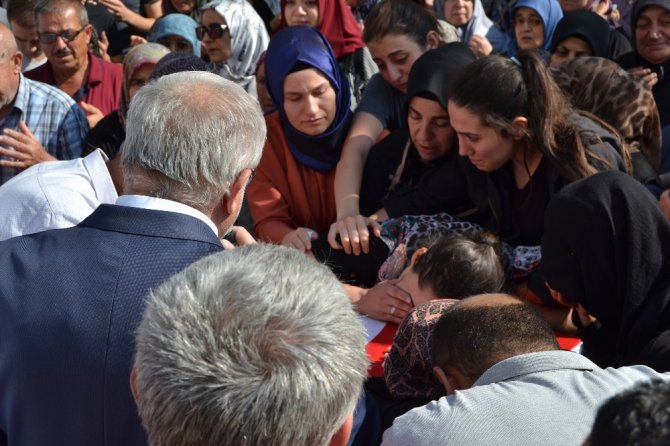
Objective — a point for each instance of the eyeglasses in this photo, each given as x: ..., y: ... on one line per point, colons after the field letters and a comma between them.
x: 215, y: 30
x: 68, y: 36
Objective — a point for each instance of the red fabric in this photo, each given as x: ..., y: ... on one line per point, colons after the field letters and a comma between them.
x: 104, y: 82
x: 378, y: 347
x: 338, y: 24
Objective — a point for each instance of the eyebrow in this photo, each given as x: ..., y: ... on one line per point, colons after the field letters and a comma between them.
x: 325, y: 82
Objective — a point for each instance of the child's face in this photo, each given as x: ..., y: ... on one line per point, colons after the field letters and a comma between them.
x: 409, y: 283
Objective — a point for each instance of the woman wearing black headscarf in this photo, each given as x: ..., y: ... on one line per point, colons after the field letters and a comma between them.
x: 651, y: 58
x: 582, y: 33
x: 398, y: 171
x: 606, y: 253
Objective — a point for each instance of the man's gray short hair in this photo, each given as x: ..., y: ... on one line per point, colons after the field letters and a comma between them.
x: 191, y: 134
x: 48, y: 7
x: 253, y: 346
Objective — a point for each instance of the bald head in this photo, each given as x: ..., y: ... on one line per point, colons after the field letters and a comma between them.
x: 7, y: 42
x: 483, y: 330
x: 10, y: 70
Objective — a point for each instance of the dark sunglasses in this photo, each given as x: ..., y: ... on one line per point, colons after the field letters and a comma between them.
x: 215, y: 30
x: 68, y: 36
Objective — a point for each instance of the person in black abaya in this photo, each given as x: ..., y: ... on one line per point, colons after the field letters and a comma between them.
x: 606, y: 253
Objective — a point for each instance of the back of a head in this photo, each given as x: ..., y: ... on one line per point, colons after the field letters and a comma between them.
x: 483, y: 330
x: 460, y: 265
x: 253, y: 346
x: 400, y: 17
x: 177, y: 62
x: 189, y: 135
x: 639, y: 416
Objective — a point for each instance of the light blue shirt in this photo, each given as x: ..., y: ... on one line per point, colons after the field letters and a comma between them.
x: 544, y: 398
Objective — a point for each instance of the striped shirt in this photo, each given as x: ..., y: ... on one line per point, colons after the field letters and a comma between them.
x: 53, y: 117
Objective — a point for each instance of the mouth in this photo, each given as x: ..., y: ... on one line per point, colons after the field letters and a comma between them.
x: 314, y: 122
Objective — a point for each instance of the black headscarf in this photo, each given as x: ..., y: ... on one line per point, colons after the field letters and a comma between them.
x: 606, y: 246
x: 586, y: 25
x: 430, y: 75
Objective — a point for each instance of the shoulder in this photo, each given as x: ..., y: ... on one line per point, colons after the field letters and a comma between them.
x: 42, y: 93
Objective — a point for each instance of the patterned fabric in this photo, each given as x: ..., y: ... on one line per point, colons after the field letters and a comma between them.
x: 408, y: 369
x: 53, y: 117
x: 402, y: 234
x: 137, y: 56
x: 619, y: 98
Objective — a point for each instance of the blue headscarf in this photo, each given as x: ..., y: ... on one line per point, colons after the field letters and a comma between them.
x: 176, y: 25
x: 306, y: 45
x: 550, y: 12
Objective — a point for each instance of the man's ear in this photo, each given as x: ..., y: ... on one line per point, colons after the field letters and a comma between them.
x: 17, y: 60
x: 133, y: 385
x: 433, y: 40
x: 233, y: 199
x: 519, y: 128
x: 341, y: 437
x: 449, y: 382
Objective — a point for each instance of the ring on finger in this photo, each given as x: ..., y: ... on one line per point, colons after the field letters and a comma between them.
x: 392, y: 310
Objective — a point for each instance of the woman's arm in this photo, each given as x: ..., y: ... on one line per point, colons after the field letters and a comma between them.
x: 350, y: 225
x: 127, y: 15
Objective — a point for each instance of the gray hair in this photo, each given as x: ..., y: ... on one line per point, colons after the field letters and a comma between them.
x: 258, y: 345
x: 191, y: 134
x: 47, y: 7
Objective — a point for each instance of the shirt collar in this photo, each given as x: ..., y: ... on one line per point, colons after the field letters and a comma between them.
x: 161, y: 204
x: 22, y: 95
x: 530, y: 363
x: 96, y: 164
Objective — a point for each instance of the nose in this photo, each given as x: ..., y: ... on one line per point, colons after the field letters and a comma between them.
x: 464, y: 148
x: 301, y: 10
x: 60, y: 43
x: 311, y: 106
x: 394, y: 73
x: 423, y: 132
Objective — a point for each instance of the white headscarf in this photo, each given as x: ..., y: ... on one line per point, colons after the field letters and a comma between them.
x: 248, y: 40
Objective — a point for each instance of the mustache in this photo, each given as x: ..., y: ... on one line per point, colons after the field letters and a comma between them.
x: 62, y: 52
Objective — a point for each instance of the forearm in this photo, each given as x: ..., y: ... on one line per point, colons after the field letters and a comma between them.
x: 354, y: 293
x: 348, y: 177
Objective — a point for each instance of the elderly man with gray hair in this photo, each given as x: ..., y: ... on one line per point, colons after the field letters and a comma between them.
x: 258, y: 346
x: 71, y: 299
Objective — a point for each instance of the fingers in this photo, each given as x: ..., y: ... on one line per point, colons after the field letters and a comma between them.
x: 90, y: 109
x: 227, y: 245
x: 300, y: 239
x: 242, y: 236
x: 332, y: 235
x: 103, y: 39
x: 354, y: 234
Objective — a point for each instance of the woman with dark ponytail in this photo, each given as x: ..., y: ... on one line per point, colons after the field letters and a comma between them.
x: 523, y: 142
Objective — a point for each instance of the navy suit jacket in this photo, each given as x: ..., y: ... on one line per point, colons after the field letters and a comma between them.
x: 70, y: 303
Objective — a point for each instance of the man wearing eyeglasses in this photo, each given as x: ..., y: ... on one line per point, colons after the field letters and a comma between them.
x: 64, y: 35
x: 38, y: 122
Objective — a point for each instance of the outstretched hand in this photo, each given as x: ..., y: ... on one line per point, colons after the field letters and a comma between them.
x: 354, y: 234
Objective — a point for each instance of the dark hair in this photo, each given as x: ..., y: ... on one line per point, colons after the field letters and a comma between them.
x: 472, y: 338
x: 21, y: 12
x: 498, y: 90
x: 404, y: 17
x: 640, y: 415
x: 460, y: 265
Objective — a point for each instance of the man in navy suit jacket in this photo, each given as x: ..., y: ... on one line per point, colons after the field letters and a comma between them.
x: 71, y: 299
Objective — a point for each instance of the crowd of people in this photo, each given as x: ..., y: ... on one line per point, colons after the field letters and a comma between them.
x: 334, y: 222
